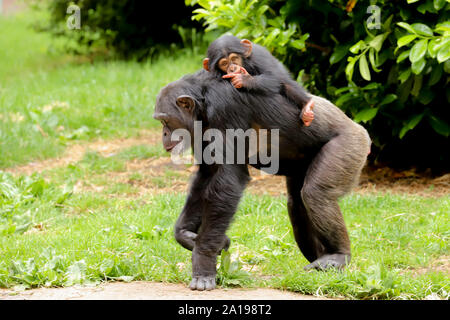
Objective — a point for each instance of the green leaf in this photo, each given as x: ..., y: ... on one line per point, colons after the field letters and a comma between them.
x: 344, y: 98
x: 431, y: 48
x: 372, y: 60
x: 422, y: 29
x: 300, y: 76
x: 440, y: 126
x: 437, y: 44
x: 447, y: 66
x: 403, y: 132
x: 414, y: 120
x: 435, y: 75
x: 387, y: 23
x: 371, y: 86
x: 357, y: 47
x: 417, y: 86
x: 418, y: 66
x: 76, y: 273
x: 442, y: 27
x: 364, y: 68
x: 427, y: 6
x: 298, y: 44
x: 342, y: 90
x: 411, y: 123
x: 388, y: 99
x: 418, y: 50
x: 444, y: 53
x: 350, y: 67
x: 403, y: 56
x: 377, y: 42
x: 272, y: 35
x: 426, y: 96
x: 404, y: 89
x: 406, y: 39
x: 406, y: 26
x: 439, y: 4
x: 366, y: 115
x: 338, y: 54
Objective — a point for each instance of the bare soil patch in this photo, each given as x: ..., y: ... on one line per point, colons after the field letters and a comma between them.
x: 75, y: 153
x: 160, y: 175
x: 140, y: 290
x: 441, y: 264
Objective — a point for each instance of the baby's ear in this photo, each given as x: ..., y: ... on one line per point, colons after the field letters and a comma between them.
x: 206, y: 64
x: 247, y: 44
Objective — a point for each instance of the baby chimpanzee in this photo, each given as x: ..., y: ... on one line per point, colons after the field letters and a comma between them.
x: 252, y: 67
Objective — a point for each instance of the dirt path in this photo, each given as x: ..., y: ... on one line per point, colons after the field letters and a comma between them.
x: 373, y: 180
x: 140, y: 290
x: 75, y: 153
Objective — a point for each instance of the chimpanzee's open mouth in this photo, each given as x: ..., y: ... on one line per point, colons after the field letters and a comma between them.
x: 170, y: 147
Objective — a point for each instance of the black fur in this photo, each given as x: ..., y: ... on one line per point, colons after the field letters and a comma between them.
x: 321, y: 162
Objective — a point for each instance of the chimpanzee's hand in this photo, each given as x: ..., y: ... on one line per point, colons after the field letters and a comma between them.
x: 308, y: 113
x: 238, y: 78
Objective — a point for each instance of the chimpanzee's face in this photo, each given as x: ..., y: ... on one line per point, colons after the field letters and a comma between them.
x: 227, y: 54
x: 175, y: 111
x: 231, y: 63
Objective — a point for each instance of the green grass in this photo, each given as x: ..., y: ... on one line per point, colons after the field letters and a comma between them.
x: 48, y: 100
x: 50, y: 237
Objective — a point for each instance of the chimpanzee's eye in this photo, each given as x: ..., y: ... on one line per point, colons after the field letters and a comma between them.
x: 223, y: 64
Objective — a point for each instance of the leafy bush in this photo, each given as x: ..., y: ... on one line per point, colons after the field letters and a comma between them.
x: 127, y: 27
x: 390, y: 73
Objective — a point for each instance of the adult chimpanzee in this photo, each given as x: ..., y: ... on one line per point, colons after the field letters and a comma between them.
x: 321, y: 163
x: 252, y: 67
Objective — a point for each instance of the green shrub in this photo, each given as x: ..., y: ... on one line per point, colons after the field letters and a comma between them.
x: 129, y: 28
x: 392, y: 78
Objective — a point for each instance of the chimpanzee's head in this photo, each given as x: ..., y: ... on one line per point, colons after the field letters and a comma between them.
x: 227, y: 54
x: 175, y: 109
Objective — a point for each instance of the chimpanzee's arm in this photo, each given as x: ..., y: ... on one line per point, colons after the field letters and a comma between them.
x: 268, y: 84
x: 289, y: 88
x: 271, y: 84
x: 296, y: 93
x: 263, y: 83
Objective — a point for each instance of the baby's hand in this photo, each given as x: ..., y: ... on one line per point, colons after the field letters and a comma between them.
x: 308, y: 113
x: 238, y: 78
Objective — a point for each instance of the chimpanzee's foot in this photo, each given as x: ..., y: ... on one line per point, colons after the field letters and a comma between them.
x: 203, y: 270
x: 329, y: 261
x: 187, y: 239
x: 203, y: 283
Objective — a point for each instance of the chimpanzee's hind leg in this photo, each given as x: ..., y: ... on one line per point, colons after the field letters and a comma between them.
x: 331, y: 174
x: 304, y: 233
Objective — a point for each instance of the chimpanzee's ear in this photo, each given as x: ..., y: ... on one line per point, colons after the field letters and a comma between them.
x: 206, y: 64
x: 186, y: 102
x: 247, y: 47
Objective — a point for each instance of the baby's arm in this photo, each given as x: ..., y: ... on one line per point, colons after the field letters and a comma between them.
x: 294, y: 92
